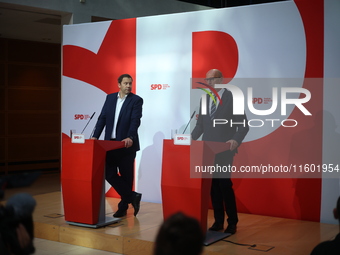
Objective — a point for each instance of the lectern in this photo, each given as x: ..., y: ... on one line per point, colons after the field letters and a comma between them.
x: 183, y: 188
x: 83, y: 180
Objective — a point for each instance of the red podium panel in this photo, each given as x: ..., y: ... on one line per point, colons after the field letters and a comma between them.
x: 184, y: 191
x: 82, y: 178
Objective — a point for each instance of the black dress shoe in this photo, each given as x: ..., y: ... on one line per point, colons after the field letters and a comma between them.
x: 231, y: 229
x: 119, y: 213
x: 216, y: 227
x: 136, y: 203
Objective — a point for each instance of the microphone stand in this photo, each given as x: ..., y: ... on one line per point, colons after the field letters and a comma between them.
x: 88, y: 122
x: 189, y: 121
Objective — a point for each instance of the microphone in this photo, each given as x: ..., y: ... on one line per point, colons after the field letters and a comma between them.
x: 91, y: 135
x: 94, y: 128
x: 88, y: 122
x: 189, y: 121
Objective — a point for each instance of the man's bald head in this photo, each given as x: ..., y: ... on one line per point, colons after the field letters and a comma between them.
x: 214, y: 76
x: 214, y: 73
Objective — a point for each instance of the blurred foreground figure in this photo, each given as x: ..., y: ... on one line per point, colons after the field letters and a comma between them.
x: 179, y: 235
x: 16, y: 225
x: 330, y: 247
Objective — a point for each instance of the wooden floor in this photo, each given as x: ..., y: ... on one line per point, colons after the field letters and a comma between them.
x: 135, y: 235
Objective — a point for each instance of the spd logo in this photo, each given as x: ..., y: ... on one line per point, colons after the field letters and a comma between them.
x: 81, y: 116
x: 261, y: 100
x: 159, y: 86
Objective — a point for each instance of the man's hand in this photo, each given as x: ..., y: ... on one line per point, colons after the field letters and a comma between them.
x: 93, y: 138
x: 128, y: 142
x: 233, y: 144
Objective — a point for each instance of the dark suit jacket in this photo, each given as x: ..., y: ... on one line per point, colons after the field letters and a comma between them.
x: 221, y: 132
x: 128, y: 121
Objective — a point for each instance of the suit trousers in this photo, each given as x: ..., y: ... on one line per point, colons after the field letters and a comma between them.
x: 119, y: 172
x: 222, y: 193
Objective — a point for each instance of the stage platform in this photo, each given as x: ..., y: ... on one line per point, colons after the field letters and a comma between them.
x: 136, y: 235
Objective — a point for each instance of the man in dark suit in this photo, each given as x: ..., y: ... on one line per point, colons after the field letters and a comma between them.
x: 121, y: 116
x: 222, y: 193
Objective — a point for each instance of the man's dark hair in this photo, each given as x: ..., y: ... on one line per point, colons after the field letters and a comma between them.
x: 120, y: 78
x: 179, y: 235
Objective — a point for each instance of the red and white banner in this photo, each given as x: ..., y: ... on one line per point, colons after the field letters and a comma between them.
x: 279, y: 40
